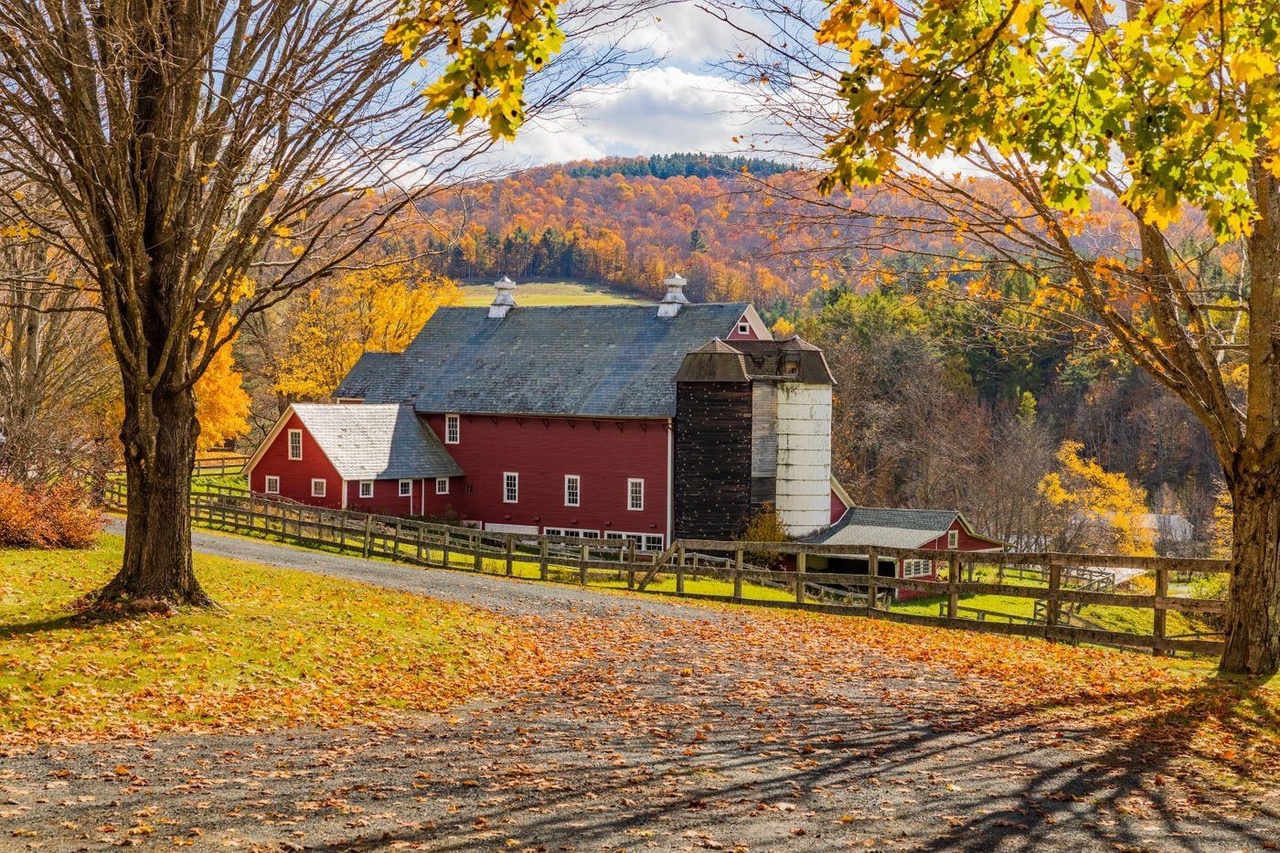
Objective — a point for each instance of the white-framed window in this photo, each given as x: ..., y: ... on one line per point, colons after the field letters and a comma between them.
x: 744, y: 328
x: 406, y: 488
x: 366, y: 488
x: 574, y: 532
x: 572, y: 490
x: 644, y: 541
x: 295, y: 444
x: 452, y: 429
x: 917, y: 568
x: 272, y: 485
x: 442, y: 485
x: 318, y: 487
x: 635, y: 494
x: 510, y: 487
x: 953, y: 540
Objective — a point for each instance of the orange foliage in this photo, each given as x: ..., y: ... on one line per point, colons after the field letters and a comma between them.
x: 46, y: 517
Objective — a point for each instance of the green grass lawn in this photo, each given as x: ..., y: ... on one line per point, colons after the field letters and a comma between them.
x: 286, y: 647
x: 551, y: 293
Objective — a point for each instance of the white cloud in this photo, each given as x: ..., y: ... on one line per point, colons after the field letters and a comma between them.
x: 658, y: 110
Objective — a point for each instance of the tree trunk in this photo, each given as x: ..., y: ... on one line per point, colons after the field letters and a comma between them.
x: 1253, y: 609
x: 159, y: 436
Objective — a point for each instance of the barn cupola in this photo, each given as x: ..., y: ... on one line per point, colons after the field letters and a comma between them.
x: 504, y: 300
x: 674, y: 298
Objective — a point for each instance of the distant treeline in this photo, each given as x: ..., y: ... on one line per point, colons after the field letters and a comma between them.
x: 685, y: 165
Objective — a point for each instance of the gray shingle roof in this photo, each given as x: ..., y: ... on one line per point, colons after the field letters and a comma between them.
x: 367, y: 373
x: 887, y: 528
x: 376, y: 442
x: 891, y: 528
x: 588, y: 360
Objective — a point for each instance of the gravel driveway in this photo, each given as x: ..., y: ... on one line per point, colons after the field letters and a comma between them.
x: 682, y: 728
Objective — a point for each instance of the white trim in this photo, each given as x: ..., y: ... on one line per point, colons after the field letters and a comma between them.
x: 289, y: 445
x: 571, y: 532
x: 917, y: 568
x: 953, y: 540
x: 409, y: 494
x: 363, y: 484
x: 454, y: 421
x: 631, y: 481
x: 324, y: 487
x: 576, y: 480
x: 439, y: 481
x: 266, y: 484
x: 671, y: 480
x: 510, y: 485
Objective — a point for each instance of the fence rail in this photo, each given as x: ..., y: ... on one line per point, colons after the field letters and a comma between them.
x: 719, y: 571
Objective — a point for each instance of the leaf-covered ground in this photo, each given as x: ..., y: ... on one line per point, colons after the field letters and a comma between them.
x: 289, y: 646
x: 638, y: 723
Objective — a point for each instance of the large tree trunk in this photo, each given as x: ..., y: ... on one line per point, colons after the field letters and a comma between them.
x: 1253, y: 609
x: 159, y: 436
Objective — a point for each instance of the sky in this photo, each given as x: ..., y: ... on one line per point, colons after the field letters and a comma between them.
x: 679, y: 103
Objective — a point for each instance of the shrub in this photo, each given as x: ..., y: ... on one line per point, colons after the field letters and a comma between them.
x: 36, y: 516
x: 1213, y: 586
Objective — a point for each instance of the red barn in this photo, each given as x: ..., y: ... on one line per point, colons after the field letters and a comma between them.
x: 607, y: 421
x: 912, y: 529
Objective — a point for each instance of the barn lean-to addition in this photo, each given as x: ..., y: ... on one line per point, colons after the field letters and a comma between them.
x: 608, y: 421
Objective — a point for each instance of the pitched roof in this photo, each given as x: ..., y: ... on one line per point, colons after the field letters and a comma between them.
x: 588, y: 360
x: 376, y: 442
x: 892, y: 528
x: 367, y: 373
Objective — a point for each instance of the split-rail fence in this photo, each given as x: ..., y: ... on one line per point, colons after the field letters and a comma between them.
x: 723, y: 571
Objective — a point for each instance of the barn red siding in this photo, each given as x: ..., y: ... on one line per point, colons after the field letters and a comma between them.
x: 838, y: 509
x: 735, y: 335
x: 386, y: 498
x: 604, y: 453
x: 296, y: 474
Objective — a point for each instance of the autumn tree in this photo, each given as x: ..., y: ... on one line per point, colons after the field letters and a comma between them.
x: 378, y: 309
x: 1096, y: 510
x: 1160, y: 117
x: 222, y: 404
x: 208, y: 159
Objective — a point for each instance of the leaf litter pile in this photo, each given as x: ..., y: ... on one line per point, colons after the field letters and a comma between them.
x: 613, y: 727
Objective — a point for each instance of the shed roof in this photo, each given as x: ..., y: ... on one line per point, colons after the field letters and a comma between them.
x: 376, y: 442
x: 588, y: 360
x: 894, y: 528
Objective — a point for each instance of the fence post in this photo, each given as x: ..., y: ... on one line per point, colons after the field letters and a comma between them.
x: 511, y: 545
x: 542, y: 557
x: 801, y: 561
x: 1161, y: 615
x: 1054, y: 607
x: 422, y: 534
x: 953, y: 585
x: 582, y: 564
x: 368, y: 534
x: 445, y: 554
x: 737, y: 574
x: 631, y: 563
x: 873, y: 572
x: 680, y: 570
x: 477, y: 562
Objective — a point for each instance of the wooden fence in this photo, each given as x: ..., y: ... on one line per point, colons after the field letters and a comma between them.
x: 720, y: 571
x: 229, y: 463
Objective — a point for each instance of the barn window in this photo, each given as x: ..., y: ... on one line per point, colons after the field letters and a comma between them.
x: 295, y: 444
x: 953, y: 540
x: 452, y: 429
x: 744, y: 328
x: 366, y: 488
x: 653, y: 542
x: 635, y: 494
x: 510, y: 488
x: 572, y: 490
x: 406, y: 488
x: 442, y: 485
x: 318, y: 487
x: 272, y: 486
x: 917, y: 568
